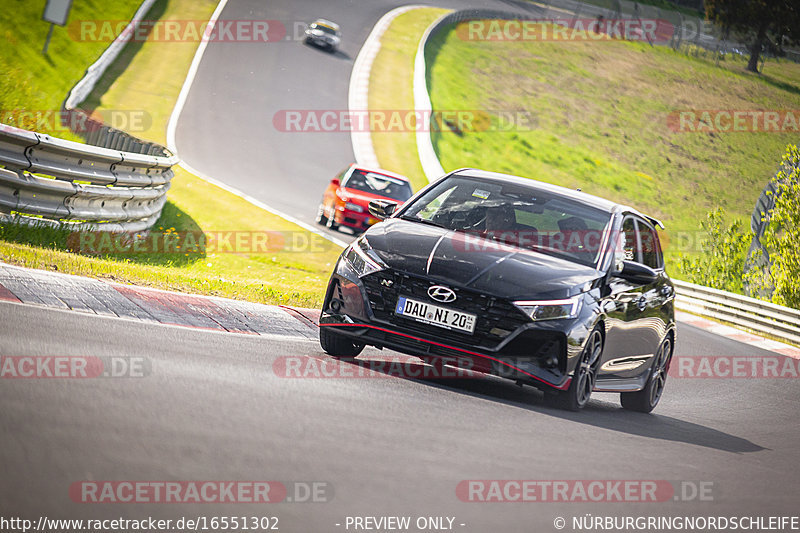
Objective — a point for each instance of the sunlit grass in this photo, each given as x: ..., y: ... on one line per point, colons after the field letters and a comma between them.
x: 36, y: 83
x: 391, y: 87
x: 600, y: 121
x: 293, y: 273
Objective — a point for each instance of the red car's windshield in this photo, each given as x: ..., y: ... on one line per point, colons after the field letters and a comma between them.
x: 379, y: 184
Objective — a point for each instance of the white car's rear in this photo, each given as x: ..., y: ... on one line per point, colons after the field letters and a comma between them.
x: 324, y: 33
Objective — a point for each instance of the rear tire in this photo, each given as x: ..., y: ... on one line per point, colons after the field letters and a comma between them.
x: 337, y: 345
x: 645, y: 400
x: 583, y: 380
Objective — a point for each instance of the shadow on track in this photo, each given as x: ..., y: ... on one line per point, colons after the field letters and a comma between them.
x: 335, y: 53
x: 598, y: 413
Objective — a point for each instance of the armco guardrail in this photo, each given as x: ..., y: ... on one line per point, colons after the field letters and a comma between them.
x: 758, y: 315
x: 95, y: 188
x: 115, y: 183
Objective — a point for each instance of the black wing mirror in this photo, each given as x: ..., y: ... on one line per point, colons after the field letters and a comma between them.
x: 636, y: 273
x: 381, y: 208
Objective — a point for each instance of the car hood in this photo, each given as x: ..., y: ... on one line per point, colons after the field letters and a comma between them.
x: 454, y: 258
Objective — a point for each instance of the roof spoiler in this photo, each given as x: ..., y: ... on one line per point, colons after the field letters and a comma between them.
x: 655, y: 221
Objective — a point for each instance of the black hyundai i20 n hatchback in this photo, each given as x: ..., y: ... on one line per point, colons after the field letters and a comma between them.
x: 504, y: 275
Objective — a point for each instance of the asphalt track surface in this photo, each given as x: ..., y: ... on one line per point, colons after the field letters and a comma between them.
x: 212, y: 408
x: 226, y: 128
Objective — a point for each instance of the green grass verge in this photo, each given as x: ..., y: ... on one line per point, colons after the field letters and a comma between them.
x: 138, y: 79
x: 294, y: 274
x: 601, y: 121
x: 35, y: 83
x: 391, y: 87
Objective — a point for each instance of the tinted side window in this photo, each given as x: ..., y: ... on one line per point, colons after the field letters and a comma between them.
x: 651, y: 248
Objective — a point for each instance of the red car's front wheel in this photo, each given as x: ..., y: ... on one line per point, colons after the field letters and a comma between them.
x: 321, y: 218
x: 330, y: 222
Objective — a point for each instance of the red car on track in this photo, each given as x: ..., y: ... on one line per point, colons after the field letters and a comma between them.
x: 348, y: 194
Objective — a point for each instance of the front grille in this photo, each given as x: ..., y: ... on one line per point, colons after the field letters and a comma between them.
x: 497, y: 318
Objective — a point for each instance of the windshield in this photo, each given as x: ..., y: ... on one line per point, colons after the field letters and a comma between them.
x: 323, y: 27
x: 514, y: 215
x: 379, y: 184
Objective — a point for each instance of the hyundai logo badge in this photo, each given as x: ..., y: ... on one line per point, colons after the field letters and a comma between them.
x: 440, y: 293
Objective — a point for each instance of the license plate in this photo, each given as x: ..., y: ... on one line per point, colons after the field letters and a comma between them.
x: 436, y: 315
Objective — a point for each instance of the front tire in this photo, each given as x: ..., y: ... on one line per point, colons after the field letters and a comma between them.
x: 330, y: 223
x: 584, y: 377
x: 337, y: 345
x: 646, y: 399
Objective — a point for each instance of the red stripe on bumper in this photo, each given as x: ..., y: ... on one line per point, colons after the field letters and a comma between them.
x: 476, y: 354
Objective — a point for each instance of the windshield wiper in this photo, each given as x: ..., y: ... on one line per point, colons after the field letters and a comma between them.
x: 422, y: 221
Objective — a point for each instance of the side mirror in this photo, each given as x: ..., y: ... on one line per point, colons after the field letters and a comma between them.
x: 636, y: 273
x: 381, y: 208
x: 335, y: 182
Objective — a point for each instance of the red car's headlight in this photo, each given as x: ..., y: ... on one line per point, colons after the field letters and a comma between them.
x: 353, y: 207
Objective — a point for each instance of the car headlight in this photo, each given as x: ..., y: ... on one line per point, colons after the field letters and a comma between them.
x: 353, y: 207
x: 358, y: 257
x: 551, y: 309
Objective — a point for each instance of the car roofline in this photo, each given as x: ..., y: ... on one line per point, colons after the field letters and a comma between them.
x: 595, y: 201
x: 328, y: 23
x: 379, y: 170
x: 628, y: 210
